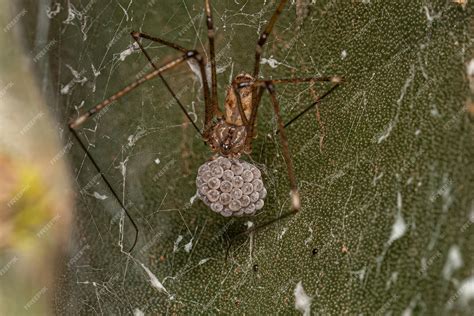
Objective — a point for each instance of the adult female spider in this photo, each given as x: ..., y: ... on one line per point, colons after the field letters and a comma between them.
x: 228, y: 134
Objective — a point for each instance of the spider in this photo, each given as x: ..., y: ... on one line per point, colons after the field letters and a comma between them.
x: 229, y: 134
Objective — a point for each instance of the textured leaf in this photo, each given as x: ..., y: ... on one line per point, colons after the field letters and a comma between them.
x: 384, y: 166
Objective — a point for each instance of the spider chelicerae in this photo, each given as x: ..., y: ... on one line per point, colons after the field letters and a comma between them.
x: 228, y: 133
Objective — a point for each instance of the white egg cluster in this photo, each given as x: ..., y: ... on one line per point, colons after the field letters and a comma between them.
x: 231, y: 187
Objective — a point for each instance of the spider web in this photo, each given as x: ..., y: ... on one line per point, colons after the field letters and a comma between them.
x: 350, y: 179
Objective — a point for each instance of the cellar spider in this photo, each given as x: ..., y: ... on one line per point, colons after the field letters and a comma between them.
x: 230, y: 133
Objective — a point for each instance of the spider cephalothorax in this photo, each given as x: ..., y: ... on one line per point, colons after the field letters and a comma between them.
x: 228, y: 140
x: 228, y: 136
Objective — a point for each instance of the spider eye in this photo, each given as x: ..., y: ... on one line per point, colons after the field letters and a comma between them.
x: 225, y: 146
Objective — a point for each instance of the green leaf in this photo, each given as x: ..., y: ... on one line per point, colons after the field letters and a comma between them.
x: 385, y: 165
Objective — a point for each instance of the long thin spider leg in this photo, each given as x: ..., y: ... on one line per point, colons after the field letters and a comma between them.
x: 96, y: 166
x: 269, y: 86
x: 158, y: 40
x: 264, y: 36
x: 259, y: 49
x: 263, y: 82
x: 150, y: 75
x: 253, y: 119
x: 210, y: 37
x: 295, y: 197
x: 318, y: 100
x: 336, y: 80
x: 166, y: 84
x: 210, y: 109
x: 266, y: 224
x: 239, y: 105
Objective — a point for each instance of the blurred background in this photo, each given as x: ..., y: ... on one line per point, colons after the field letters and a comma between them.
x: 385, y: 165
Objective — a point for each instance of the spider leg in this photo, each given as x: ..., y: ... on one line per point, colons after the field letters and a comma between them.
x: 261, y: 226
x: 96, y: 166
x: 295, y: 197
x: 211, y: 109
x: 268, y: 85
x: 294, y: 194
x: 130, y: 87
x: 253, y: 118
x: 312, y: 105
x: 264, y: 36
x: 239, y: 105
x: 82, y: 118
x: 166, y: 83
x: 258, y: 55
x: 210, y: 37
x: 335, y: 80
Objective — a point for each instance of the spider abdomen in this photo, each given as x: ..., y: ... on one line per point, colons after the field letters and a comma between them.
x: 232, y: 113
